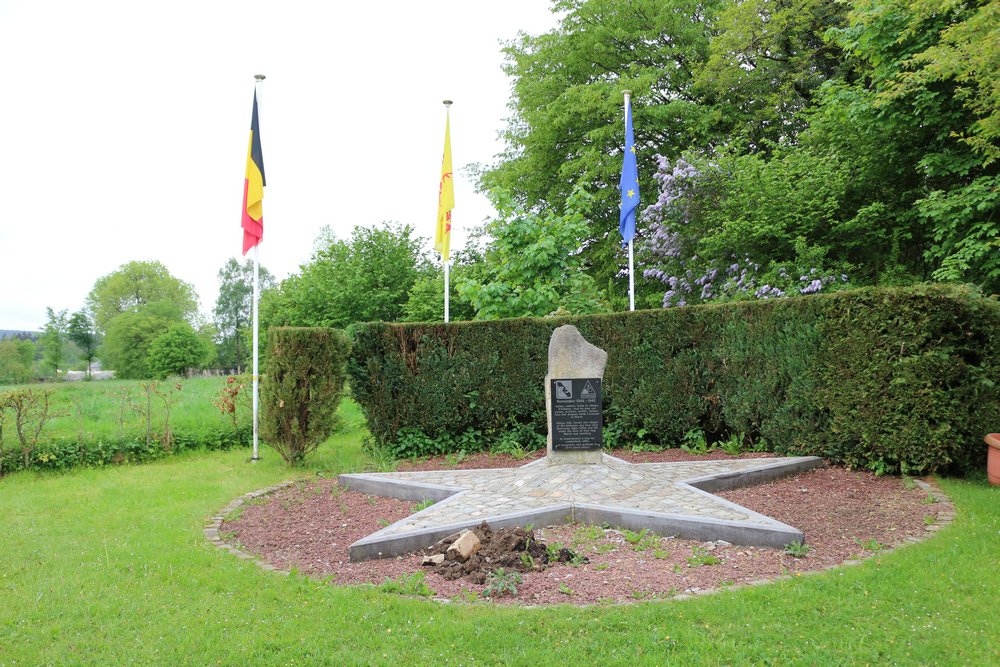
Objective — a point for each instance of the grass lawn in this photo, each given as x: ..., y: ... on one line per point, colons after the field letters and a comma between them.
x: 111, y: 566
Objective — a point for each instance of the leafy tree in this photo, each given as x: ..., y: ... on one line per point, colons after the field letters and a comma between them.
x: 425, y: 300
x: 863, y: 132
x: 174, y: 352
x: 16, y: 360
x: 53, y: 339
x: 81, y: 332
x: 533, y: 265
x: 766, y: 61
x: 930, y: 85
x: 135, y: 285
x: 567, y: 121
x: 125, y: 348
x: 234, y: 309
x: 367, y: 278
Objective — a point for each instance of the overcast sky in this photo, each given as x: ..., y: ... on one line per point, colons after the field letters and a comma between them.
x: 124, y: 126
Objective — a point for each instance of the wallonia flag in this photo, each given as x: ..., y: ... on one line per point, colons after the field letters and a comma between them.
x: 446, y: 199
x: 253, y: 187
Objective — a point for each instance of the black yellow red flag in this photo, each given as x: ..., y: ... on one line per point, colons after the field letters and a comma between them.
x: 253, y: 187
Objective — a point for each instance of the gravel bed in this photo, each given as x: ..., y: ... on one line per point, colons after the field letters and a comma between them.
x: 845, y: 515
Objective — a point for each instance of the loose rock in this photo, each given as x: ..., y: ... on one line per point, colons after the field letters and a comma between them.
x: 463, y: 548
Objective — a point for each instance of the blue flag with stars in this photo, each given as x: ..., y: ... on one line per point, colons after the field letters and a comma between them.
x: 629, y: 182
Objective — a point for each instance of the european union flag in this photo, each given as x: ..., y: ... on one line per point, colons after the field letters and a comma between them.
x: 629, y: 182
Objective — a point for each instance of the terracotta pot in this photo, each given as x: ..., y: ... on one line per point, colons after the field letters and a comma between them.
x: 993, y: 460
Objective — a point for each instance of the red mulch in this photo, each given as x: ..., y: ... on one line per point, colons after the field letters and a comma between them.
x: 844, y: 514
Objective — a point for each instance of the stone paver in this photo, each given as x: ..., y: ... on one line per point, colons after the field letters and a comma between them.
x: 667, y: 498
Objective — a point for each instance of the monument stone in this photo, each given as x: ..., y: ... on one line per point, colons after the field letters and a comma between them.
x: 573, y: 398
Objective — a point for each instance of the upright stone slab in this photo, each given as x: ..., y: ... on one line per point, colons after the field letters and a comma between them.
x: 576, y: 371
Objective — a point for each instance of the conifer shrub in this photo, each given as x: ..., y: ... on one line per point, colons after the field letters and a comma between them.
x: 893, y: 380
x: 302, y: 388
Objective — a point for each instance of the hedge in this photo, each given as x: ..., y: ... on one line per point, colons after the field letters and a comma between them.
x: 66, y: 453
x: 894, y: 380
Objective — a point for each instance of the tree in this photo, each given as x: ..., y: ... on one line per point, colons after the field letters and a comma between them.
x: 929, y: 100
x: 134, y: 286
x: 567, y: 121
x: 80, y: 330
x: 16, y: 360
x: 174, y: 352
x: 367, y: 278
x: 234, y: 309
x: 425, y: 300
x: 533, y: 265
x: 766, y: 61
x: 53, y: 339
x: 126, y: 342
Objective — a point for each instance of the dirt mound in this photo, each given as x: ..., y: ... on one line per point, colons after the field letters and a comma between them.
x: 513, y: 549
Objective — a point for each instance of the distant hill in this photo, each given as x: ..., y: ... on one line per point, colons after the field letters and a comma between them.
x: 11, y: 333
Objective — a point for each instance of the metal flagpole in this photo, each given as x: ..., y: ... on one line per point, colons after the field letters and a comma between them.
x: 631, y: 277
x: 256, y: 399
x: 256, y: 298
x: 446, y: 291
x: 631, y: 257
x: 447, y: 286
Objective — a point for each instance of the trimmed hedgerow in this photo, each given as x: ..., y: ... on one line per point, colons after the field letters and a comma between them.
x: 66, y: 453
x: 887, y: 379
x: 302, y: 388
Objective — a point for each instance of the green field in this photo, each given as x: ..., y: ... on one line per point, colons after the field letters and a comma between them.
x: 111, y: 566
x: 112, y: 408
x: 110, y: 421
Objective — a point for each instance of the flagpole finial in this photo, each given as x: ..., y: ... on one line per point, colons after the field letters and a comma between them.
x: 447, y: 103
x: 259, y: 77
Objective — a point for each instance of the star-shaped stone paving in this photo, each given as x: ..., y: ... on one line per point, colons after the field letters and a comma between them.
x: 667, y: 498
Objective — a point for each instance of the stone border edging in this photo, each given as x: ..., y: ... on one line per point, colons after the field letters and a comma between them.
x: 215, y: 522
x: 946, y: 516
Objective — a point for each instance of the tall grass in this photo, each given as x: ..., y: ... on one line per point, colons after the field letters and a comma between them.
x: 97, y: 423
x: 111, y: 566
x: 109, y: 409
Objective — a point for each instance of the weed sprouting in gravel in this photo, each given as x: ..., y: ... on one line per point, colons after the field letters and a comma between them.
x: 501, y: 582
x: 700, y: 556
x: 423, y: 504
x: 797, y: 549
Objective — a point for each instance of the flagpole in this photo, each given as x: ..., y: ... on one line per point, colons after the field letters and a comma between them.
x: 446, y: 291
x: 631, y: 257
x: 256, y: 376
x: 447, y: 287
x: 256, y: 336
x: 631, y: 277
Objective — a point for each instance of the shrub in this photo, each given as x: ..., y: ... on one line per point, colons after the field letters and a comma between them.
x: 302, y: 388
x: 28, y: 411
x: 887, y: 379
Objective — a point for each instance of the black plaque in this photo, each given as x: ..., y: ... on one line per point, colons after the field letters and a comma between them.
x: 576, y: 414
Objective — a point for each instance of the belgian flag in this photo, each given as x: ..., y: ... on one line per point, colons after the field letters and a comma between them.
x: 253, y: 187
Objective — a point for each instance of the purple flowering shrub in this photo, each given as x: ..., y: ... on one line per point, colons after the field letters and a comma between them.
x: 679, y: 250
